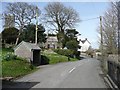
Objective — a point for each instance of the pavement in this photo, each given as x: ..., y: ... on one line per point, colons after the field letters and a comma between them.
x: 78, y: 74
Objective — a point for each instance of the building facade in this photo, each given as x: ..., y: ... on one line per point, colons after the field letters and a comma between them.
x: 51, y: 42
x: 84, y: 44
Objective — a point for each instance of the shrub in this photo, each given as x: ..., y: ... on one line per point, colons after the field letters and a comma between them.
x: 44, y: 60
x: 10, y: 56
x: 72, y: 44
x: 66, y: 52
x: 31, y: 66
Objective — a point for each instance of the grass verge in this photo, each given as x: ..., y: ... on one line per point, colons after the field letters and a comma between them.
x: 57, y: 58
x: 15, y: 68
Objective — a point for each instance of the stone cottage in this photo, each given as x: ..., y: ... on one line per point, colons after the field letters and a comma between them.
x: 30, y: 51
x: 51, y: 42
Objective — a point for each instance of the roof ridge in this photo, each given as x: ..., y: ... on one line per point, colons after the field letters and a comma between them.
x: 28, y: 45
x: 83, y: 41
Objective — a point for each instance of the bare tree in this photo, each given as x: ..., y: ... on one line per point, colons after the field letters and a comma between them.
x: 23, y: 13
x: 109, y: 28
x: 60, y: 17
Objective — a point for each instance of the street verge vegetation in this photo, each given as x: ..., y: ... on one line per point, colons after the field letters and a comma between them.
x: 53, y: 58
x: 13, y: 66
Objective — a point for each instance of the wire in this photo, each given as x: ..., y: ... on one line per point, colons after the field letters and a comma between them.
x: 89, y: 19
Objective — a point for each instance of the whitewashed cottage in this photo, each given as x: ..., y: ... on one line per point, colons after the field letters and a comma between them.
x: 84, y: 44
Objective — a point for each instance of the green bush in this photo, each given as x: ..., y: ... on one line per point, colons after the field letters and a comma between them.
x: 64, y: 52
x: 72, y: 44
x: 44, y: 60
x: 31, y: 66
x: 68, y: 53
x: 9, y: 56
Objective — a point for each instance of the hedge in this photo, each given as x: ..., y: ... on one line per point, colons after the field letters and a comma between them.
x: 65, y: 52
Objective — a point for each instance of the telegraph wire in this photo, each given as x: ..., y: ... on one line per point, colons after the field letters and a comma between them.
x: 90, y: 19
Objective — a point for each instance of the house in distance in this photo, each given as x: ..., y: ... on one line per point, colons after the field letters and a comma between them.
x: 84, y: 44
x: 51, y: 42
x: 30, y: 51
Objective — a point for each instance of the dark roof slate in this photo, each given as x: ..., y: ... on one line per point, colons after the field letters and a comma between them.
x: 83, y: 41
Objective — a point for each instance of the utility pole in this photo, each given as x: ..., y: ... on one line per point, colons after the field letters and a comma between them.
x: 36, y: 26
x: 103, y: 61
x: 101, y: 36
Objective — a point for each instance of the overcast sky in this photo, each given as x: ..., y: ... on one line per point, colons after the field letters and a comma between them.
x: 87, y: 10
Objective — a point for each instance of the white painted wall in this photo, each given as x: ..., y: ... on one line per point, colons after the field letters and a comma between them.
x: 84, y: 47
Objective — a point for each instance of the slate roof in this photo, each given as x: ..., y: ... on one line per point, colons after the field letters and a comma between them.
x: 30, y: 46
x: 83, y: 41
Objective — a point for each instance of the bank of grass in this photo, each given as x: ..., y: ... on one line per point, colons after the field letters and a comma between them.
x: 4, y: 51
x: 15, y: 67
x: 57, y: 58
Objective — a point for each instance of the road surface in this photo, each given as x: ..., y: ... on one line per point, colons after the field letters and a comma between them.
x: 77, y: 74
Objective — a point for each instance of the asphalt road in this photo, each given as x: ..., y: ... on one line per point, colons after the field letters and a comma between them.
x: 77, y: 74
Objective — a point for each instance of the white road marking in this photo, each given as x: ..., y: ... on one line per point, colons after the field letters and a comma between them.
x: 72, y: 69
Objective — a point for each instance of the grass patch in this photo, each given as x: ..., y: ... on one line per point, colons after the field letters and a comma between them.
x: 15, y: 67
x: 6, y: 50
x: 57, y: 58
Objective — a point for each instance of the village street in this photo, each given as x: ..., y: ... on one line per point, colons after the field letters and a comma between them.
x: 78, y: 74
x: 60, y: 44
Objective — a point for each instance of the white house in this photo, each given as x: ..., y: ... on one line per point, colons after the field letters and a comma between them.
x: 84, y: 44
